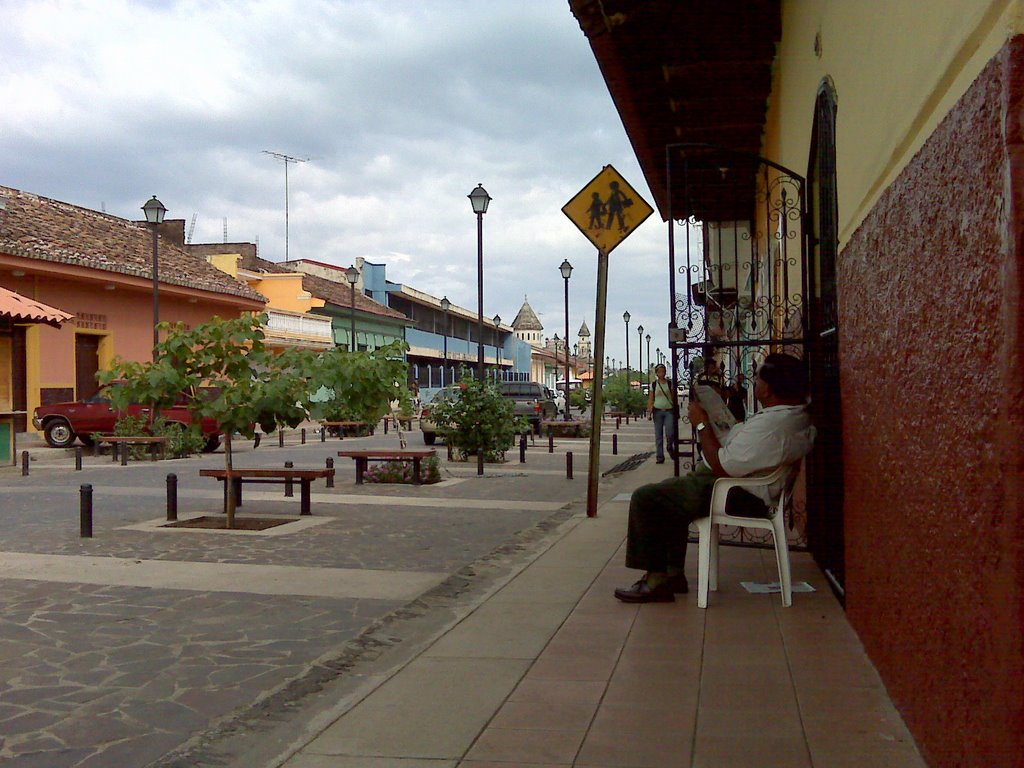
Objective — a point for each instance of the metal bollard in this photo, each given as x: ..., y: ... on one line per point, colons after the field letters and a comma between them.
x: 618, y: 422
x: 568, y: 465
x: 85, y: 512
x: 385, y: 425
x: 615, y: 445
x: 24, y: 463
x: 522, y: 449
x: 172, y: 496
x: 330, y: 478
x: 288, y: 491
x: 303, y: 433
x: 280, y: 438
x: 551, y: 440
x: 256, y: 441
x: 323, y: 434
x: 78, y: 458
x: 124, y: 455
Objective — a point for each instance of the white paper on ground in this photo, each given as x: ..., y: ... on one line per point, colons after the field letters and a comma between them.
x: 759, y: 588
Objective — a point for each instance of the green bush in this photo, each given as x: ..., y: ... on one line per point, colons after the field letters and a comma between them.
x: 181, y: 440
x: 621, y: 397
x: 480, y: 419
x: 580, y: 400
x: 401, y: 472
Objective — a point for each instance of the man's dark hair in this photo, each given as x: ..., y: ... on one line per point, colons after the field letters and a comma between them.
x: 786, y: 375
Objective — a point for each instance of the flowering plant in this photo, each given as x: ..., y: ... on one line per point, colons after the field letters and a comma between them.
x: 401, y: 472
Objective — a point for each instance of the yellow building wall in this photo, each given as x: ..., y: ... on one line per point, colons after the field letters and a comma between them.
x: 285, y: 292
x: 897, y: 67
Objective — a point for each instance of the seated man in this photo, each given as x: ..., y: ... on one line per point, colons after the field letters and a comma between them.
x: 660, y: 513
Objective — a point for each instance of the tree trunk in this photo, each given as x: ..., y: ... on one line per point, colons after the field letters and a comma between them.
x: 229, y: 487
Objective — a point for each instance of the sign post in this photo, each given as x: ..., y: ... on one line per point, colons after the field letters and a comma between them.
x: 606, y: 211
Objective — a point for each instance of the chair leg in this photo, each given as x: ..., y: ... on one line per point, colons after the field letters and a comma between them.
x: 713, y: 570
x: 782, y: 560
x: 703, y: 559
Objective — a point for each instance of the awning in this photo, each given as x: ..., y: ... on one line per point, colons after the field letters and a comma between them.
x: 25, y: 310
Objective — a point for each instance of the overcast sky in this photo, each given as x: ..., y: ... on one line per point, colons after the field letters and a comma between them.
x: 400, y: 107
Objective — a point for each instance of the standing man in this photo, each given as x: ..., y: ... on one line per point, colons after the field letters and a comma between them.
x: 660, y: 403
x: 660, y: 513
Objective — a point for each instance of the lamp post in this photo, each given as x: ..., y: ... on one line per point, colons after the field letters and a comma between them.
x: 352, y: 275
x: 625, y: 316
x: 445, y: 306
x: 657, y: 351
x: 640, y: 352
x: 566, y: 269
x: 497, y: 338
x: 648, y: 337
x: 479, y: 199
x: 155, y: 211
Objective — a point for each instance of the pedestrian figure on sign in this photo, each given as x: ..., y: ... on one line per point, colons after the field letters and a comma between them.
x: 596, y: 212
x: 616, y: 206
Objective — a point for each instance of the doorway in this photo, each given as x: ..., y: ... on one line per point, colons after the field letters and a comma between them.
x: 87, y: 364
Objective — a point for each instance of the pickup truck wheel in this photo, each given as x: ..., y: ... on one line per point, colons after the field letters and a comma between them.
x: 429, y: 438
x: 212, y: 444
x: 58, y: 433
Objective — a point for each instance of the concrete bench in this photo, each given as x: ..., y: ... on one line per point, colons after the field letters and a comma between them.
x: 363, y: 458
x: 285, y: 476
x: 119, y: 444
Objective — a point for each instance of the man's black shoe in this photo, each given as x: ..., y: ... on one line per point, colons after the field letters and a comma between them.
x: 678, y: 584
x: 642, y: 592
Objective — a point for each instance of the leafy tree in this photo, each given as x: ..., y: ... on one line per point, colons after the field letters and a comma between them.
x: 621, y: 397
x: 480, y: 419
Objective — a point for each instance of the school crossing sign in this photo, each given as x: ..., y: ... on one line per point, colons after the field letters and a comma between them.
x: 607, y: 210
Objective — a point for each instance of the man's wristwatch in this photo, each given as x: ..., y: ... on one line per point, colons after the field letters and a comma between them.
x: 700, y: 427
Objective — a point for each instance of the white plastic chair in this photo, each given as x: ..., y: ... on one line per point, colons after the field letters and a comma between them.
x: 707, y: 529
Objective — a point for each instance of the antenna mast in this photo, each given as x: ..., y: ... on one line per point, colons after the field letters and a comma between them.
x: 286, y: 159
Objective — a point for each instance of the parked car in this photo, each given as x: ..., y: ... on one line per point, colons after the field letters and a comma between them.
x: 85, y: 420
x: 427, y: 425
x: 532, y: 400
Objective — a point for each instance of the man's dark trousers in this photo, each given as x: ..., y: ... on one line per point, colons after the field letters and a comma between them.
x: 659, y: 519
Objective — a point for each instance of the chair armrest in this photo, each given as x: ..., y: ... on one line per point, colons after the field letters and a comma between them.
x: 724, y: 484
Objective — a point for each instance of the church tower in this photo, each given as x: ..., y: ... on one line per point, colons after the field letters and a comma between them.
x: 527, y: 326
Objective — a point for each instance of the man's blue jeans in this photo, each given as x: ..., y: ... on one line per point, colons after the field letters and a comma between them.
x: 663, y: 432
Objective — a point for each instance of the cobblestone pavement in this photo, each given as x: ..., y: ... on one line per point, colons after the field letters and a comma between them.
x: 116, y: 674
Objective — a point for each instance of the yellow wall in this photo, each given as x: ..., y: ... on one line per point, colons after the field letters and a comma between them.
x: 284, y: 291
x: 898, y: 66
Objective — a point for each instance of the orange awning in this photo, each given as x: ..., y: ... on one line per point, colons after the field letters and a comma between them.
x: 25, y: 310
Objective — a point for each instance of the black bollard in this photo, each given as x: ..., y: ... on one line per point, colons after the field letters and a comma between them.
x: 172, y: 496
x: 280, y: 438
x: 288, y: 491
x: 124, y: 455
x: 330, y: 478
x: 24, y: 463
x: 615, y: 445
x: 568, y: 465
x: 85, y: 512
x: 618, y: 422
x: 385, y: 425
x: 522, y: 449
x: 551, y: 440
x: 78, y: 458
x: 323, y: 434
x: 256, y: 441
x: 303, y: 433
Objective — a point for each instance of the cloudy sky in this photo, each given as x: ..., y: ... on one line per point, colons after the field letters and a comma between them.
x: 400, y: 108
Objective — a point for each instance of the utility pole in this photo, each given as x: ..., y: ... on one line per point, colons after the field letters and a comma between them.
x: 286, y: 159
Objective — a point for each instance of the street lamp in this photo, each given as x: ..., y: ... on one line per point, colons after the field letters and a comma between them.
x: 648, y: 338
x: 566, y: 269
x: 155, y: 211
x: 497, y: 337
x: 640, y: 352
x: 445, y: 306
x: 625, y: 316
x: 479, y: 199
x: 352, y: 275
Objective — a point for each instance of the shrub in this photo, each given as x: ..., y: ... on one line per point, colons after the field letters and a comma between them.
x: 480, y: 419
x: 401, y: 472
x: 621, y: 397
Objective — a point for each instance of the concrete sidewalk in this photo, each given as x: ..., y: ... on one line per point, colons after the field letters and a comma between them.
x: 551, y: 670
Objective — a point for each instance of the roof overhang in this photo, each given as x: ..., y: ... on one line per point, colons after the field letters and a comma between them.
x: 688, y: 72
x: 22, y: 309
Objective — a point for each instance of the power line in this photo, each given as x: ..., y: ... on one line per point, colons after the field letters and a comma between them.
x: 286, y: 159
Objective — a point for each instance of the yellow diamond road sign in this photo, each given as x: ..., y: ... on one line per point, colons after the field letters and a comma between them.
x: 607, y: 210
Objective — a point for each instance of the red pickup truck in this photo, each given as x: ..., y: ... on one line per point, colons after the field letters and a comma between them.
x: 61, y: 423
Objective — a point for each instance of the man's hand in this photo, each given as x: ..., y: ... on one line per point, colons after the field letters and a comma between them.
x: 696, y: 413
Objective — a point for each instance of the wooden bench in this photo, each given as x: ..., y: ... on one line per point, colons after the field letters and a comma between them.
x: 555, y: 426
x: 341, y: 426
x: 363, y: 458
x: 286, y: 476
x: 120, y: 443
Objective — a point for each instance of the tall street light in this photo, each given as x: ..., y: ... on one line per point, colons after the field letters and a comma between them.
x: 155, y: 211
x: 479, y: 199
x: 648, y: 338
x: 445, y: 306
x: 352, y: 275
x: 640, y: 352
x: 497, y: 339
x: 566, y: 269
x: 625, y: 316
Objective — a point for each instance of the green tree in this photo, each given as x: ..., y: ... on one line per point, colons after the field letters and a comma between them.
x: 621, y: 397
x: 480, y: 419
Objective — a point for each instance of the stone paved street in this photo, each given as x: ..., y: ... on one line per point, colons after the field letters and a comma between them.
x: 114, y: 651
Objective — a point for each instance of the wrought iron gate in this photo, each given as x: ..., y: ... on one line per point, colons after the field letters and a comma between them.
x: 738, y: 283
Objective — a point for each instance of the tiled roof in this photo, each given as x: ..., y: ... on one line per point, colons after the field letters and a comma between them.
x: 584, y: 331
x: 527, y: 319
x: 23, y: 309
x: 331, y: 291
x: 34, y: 227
